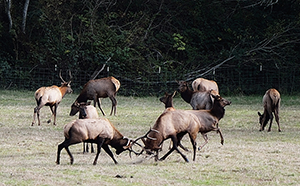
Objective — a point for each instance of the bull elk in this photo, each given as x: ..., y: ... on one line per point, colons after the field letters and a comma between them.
x: 98, y: 88
x: 271, y: 104
x: 99, y: 131
x: 172, y: 124
x: 51, y: 96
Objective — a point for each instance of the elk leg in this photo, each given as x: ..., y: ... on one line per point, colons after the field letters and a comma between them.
x: 35, y: 110
x: 108, y: 151
x: 221, y: 136
x: 277, y: 119
x: 175, y: 147
x: 100, y: 142
x: 53, y: 111
x: 271, y: 120
x: 113, y: 105
x: 99, y: 105
x: 92, y: 148
x: 65, y: 145
x: 205, y: 141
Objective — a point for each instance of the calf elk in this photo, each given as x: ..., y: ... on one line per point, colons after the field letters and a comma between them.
x: 271, y: 103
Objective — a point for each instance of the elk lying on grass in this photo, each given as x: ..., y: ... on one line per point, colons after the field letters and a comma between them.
x: 271, y: 103
x: 86, y: 111
x: 98, y: 88
x: 203, y: 85
x: 198, y: 100
x: 50, y: 96
x: 99, y: 131
x: 209, y: 119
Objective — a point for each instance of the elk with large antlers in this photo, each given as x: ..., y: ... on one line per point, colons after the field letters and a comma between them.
x: 98, y: 88
x: 172, y: 124
x: 51, y: 96
x: 100, y: 131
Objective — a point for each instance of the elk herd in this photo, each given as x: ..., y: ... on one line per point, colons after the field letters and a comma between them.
x: 208, y: 108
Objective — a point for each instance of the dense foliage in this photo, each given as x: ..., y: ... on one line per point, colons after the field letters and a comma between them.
x: 188, y: 38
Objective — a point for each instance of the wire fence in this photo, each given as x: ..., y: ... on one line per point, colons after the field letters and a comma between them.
x: 246, y: 80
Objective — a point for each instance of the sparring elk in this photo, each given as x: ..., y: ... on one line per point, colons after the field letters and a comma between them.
x: 208, y: 118
x: 171, y: 124
x: 100, y: 131
x: 86, y: 111
x: 98, y: 88
x: 203, y: 85
x: 271, y: 104
x: 51, y: 96
x: 198, y: 100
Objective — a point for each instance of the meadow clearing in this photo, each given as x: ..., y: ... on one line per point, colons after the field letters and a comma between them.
x: 248, y: 157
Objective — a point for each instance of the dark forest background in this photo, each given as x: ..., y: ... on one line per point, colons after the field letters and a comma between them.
x: 247, y: 46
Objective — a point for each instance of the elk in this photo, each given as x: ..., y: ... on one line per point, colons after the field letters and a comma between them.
x: 98, y: 88
x: 198, y: 100
x: 86, y: 111
x: 209, y: 119
x: 172, y: 124
x: 51, y: 96
x: 202, y: 85
x: 271, y: 104
x: 100, y: 131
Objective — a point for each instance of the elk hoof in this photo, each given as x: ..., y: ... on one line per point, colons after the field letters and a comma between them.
x: 199, y: 148
x: 49, y: 121
x: 95, y: 163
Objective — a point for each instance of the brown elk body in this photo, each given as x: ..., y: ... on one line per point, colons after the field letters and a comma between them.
x: 98, y: 88
x: 86, y: 111
x: 172, y: 124
x: 50, y: 96
x: 271, y: 104
x: 202, y: 85
x: 198, y: 100
x: 209, y: 119
x: 99, y: 131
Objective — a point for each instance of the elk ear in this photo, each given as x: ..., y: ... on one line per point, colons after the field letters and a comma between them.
x: 259, y: 114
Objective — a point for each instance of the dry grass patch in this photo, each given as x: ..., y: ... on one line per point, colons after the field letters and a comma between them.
x: 248, y: 157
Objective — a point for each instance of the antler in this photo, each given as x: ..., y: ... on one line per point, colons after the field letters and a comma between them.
x: 61, y: 77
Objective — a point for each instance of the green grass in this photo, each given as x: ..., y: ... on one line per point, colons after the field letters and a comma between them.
x: 248, y: 157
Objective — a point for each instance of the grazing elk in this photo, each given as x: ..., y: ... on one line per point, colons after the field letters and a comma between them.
x: 100, y: 131
x: 98, y: 88
x: 202, y: 85
x: 51, y: 96
x: 172, y: 124
x: 271, y: 103
x: 198, y: 100
x: 209, y: 119
x: 86, y: 111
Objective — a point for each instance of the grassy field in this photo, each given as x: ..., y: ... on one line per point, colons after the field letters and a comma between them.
x: 248, y: 157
